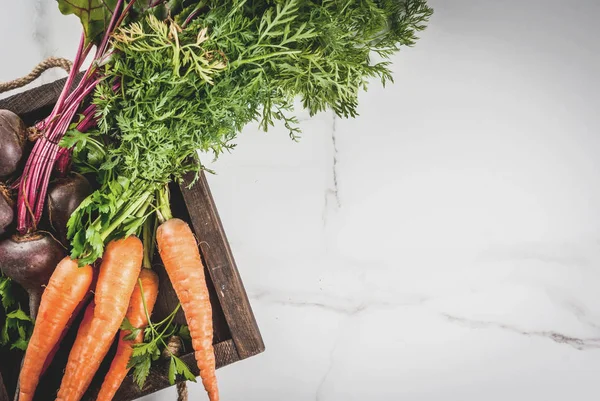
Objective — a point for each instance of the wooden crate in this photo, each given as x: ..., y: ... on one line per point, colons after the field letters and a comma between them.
x: 236, y: 334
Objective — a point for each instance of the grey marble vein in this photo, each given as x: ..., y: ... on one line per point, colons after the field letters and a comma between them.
x: 348, y: 307
x: 335, y: 160
x: 581, y: 314
x: 581, y: 344
x: 342, y: 309
x: 332, y: 191
x: 321, y: 386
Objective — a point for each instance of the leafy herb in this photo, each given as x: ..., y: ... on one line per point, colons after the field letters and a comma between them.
x: 156, y: 338
x: 17, y: 326
x: 238, y: 61
x: 118, y: 210
x: 6, y: 292
x: 88, y: 151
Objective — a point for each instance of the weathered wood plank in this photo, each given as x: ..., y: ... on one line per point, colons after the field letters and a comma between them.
x: 158, y: 378
x: 221, y: 266
x: 42, y: 97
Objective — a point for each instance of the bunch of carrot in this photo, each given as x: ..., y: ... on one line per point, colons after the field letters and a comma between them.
x: 123, y: 290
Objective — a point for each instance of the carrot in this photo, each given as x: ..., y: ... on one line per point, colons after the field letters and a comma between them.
x: 67, y: 287
x: 179, y: 252
x: 78, y: 309
x: 136, y: 314
x: 120, y: 268
x: 82, y: 304
x: 85, y: 327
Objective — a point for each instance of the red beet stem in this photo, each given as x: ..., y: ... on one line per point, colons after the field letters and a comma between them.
x: 46, y: 152
x: 70, y: 78
x: 63, y: 164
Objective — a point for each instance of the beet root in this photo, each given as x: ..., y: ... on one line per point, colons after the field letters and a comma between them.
x: 7, y: 211
x: 13, y: 137
x: 30, y: 260
x: 64, y: 195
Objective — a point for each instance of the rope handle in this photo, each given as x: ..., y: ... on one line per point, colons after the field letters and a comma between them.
x: 174, y: 347
x: 50, y: 62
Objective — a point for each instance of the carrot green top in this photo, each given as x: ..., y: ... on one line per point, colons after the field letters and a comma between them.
x: 193, y: 81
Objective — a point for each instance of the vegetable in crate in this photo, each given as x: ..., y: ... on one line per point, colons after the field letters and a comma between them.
x: 194, y: 80
x: 30, y: 260
x: 65, y: 194
x: 140, y: 307
x: 119, y: 271
x: 179, y: 253
x: 13, y: 136
x: 66, y: 290
x: 7, y: 213
x: 30, y: 256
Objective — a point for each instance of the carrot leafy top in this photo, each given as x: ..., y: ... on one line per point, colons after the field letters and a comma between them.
x: 16, y: 327
x: 195, y: 79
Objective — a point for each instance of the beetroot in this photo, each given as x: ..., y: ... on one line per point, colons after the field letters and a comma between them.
x: 13, y: 136
x: 64, y: 195
x: 30, y: 260
x: 7, y: 213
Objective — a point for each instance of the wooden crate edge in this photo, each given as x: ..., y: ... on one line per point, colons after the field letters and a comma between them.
x: 222, y: 267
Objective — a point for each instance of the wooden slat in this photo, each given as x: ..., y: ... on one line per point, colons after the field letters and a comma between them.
x: 221, y: 266
x: 158, y: 378
x: 42, y: 97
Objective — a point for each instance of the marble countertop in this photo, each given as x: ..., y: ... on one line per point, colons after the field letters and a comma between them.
x: 442, y: 246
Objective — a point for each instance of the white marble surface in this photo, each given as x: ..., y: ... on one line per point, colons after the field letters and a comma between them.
x: 444, y: 245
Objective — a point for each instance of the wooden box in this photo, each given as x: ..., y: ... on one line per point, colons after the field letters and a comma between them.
x: 236, y: 334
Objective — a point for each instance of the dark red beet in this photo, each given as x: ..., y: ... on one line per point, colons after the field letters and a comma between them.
x: 64, y: 195
x: 13, y: 136
x: 7, y: 212
x: 30, y: 260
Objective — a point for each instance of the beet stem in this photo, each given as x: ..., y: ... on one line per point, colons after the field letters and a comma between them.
x: 34, y: 303
x: 46, y: 152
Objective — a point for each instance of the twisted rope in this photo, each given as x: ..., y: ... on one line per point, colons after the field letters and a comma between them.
x: 182, y: 391
x: 174, y: 347
x: 50, y: 62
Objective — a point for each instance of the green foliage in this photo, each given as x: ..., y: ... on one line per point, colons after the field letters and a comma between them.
x: 94, y: 15
x: 242, y: 61
x: 88, y: 152
x: 238, y: 61
x: 17, y: 327
x: 117, y: 210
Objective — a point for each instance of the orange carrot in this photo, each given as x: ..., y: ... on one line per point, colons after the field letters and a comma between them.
x: 85, y: 327
x: 136, y: 314
x: 120, y: 268
x: 82, y: 304
x: 78, y: 309
x: 179, y: 252
x: 66, y: 289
